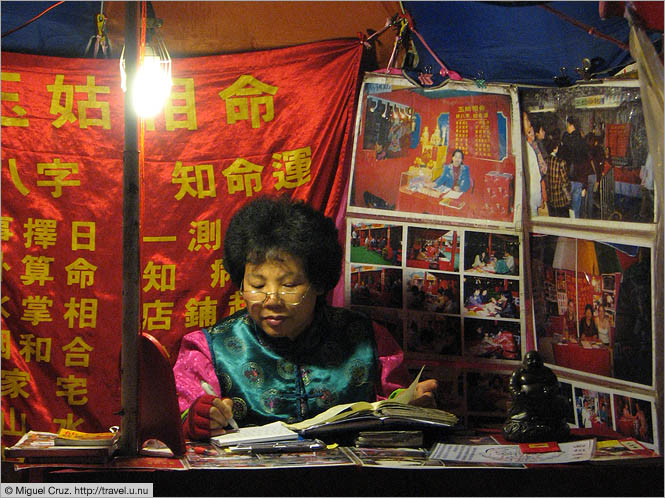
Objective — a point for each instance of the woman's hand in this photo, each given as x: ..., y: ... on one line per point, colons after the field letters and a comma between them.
x: 220, y: 413
x: 208, y: 416
x: 425, y: 393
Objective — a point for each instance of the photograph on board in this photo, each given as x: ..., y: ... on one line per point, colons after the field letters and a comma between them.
x: 585, y: 153
x: 592, y: 307
x: 447, y: 152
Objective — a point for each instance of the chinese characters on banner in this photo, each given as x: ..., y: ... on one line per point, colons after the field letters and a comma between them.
x: 235, y: 127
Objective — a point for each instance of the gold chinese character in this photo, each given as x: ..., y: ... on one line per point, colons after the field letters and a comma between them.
x: 77, y: 353
x: 160, y: 277
x: 200, y: 313
x: 81, y: 272
x: 63, y: 111
x: 157, y: 315
x: 204, y: 187
x: 13, y: 382
x: 73, y: 388
x: 236, y: 302
x: 188, y: 109
x: 296, y: 164
x: 40, y: 232
x: 219, y: 275
x: 59, y: 171
x: 40, y: 347
x: 5, y: 231
x: 35, y: 309
x: 84, y: 105
x: 83, y: 235
x: 245, y: 94
x: 6, y: 344
x: 9, y: 426
x: 206, y: 233
x: 37, y: 269
x: 68, y: 422
x: 12, y: 97
x: 243, y: 176
x: 85, y: 311
x: 16, y: 178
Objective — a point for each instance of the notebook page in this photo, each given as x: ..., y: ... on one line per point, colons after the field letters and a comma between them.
x: 275, y: 431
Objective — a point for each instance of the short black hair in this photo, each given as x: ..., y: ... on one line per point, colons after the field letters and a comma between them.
x: 267, y: 226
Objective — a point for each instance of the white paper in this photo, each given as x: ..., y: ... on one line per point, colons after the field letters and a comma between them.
x: 409, y: 394
x: 453, y: 194
x: 275, y: 431
x: 576, y: 451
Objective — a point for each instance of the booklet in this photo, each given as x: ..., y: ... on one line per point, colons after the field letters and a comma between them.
x: 40, y: 447
x: 379, y: 415
x: 275, y: 431
x: 69, y: 437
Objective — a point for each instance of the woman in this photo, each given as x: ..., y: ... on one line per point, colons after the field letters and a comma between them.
x: 588, y: 330
x: 603, y: 325
x: 287, y: 355
x: 455, y: 175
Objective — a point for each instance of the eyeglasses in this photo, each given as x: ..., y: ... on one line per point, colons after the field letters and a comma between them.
x: 290, y: 298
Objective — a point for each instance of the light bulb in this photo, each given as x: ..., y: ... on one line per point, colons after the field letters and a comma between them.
x: 152, y: 85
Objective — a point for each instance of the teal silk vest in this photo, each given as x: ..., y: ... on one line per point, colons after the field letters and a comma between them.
x: 334, y: 361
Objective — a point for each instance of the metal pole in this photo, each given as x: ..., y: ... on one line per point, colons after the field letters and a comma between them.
x: 130, y: 247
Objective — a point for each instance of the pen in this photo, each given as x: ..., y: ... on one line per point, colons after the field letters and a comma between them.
x: 209, y: 390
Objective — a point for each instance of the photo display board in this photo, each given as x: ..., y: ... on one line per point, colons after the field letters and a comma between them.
x: 481, y: 226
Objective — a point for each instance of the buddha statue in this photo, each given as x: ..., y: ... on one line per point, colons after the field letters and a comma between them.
x: 538, y: 410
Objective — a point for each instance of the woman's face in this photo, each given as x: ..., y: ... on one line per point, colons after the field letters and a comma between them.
x: 276, y: 318
x: 588, y: 314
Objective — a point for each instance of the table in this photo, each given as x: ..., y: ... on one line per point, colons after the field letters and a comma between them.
x: 634, y: 477
x: 592, y: 360
x: 638, y: 478
x: 417, y: 202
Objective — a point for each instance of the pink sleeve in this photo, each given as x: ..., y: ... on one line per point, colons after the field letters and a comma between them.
x: 193, y: 365
x: 394, y: 374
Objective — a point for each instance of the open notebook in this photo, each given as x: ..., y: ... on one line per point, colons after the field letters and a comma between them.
x: 275, y: 431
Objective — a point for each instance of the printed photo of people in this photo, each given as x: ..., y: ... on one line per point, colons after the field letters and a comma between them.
x: 586, y: 153
x: 433, y: 248
x: 492, y: 339
x: 592, y: 307
x: 592, y: 409
x: 432, y: 291
x: 488, y: 252
x: 488, y: 392
x: 375, y: 286
x: 491, y: 297
x: 436, y: 153
x: 389, y: 318
x: 434, y: 334
x: 376, y: 244
x: 633, y: 418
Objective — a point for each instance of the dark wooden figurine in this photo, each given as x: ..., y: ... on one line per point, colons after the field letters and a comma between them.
x: 538, y: 410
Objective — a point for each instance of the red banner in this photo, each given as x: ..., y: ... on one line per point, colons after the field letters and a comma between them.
x: 235, y: 127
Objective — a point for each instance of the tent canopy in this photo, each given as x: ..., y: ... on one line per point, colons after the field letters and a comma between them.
x: 519, y: 42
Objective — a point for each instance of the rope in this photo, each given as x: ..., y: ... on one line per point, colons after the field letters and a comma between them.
x: 31, y: 20
x: 589, y: 29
